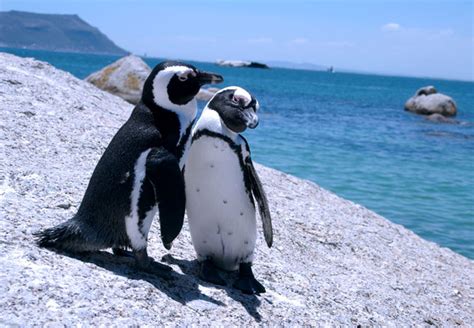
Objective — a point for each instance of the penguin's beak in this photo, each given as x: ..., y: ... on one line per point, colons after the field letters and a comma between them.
x: 209, y: 78
x: 251, y: 119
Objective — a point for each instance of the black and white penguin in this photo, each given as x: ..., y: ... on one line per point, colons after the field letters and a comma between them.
x: 221, y: 184
x: 139, y: 173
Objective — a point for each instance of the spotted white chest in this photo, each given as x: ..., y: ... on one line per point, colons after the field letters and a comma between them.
x: 221, y: 216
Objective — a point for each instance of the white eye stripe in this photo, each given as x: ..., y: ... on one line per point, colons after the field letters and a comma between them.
x: 160, y: 86
x: 183, y: 76
x: 238, y: 98
x: 241, y: 94
x: 178, y: 69
x: 182, y: 72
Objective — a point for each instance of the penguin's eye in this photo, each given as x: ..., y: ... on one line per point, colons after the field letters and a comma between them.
x: 235, y: 100
x: 182, y: 78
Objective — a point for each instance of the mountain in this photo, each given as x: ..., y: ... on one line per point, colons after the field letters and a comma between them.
x: 53, y: 32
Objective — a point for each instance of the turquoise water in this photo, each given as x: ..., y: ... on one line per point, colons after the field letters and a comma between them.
x: 350, y: 134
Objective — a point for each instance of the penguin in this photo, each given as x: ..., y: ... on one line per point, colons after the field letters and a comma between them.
x: 221, y: 185
x: 139, y: 174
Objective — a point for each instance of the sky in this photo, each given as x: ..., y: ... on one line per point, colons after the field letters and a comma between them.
x: 409, y: 38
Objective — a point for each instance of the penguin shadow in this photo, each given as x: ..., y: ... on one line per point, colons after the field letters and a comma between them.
x: 178, y: 287
x: 250, y: 303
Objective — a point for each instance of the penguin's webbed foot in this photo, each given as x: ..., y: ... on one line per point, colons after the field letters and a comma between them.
x: 209, y: 273
x: 145, y: 263
x: 246, y: 282
x: 122, y: 252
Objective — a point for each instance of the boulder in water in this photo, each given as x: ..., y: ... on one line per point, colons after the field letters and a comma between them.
x: 428, y: 101
x: 126, y: 76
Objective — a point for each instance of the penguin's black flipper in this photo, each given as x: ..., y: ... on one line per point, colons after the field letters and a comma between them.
x: 162, y: 169
x: 260, y: 196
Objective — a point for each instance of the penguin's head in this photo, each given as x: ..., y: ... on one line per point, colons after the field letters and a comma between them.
x: 236, y: 107
x: 173, y: 84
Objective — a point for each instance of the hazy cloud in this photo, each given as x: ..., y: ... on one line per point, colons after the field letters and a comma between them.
x: 391, y: 27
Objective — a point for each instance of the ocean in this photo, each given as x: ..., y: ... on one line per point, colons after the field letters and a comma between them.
x: 349, y: 134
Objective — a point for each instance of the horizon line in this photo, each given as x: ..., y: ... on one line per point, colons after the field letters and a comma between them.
x: 340, y: 70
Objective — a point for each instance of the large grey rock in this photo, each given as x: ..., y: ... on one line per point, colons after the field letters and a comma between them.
x: 334, y: 263
x: 124, y: 78
x: 205, y: 94
x: 427, y: 101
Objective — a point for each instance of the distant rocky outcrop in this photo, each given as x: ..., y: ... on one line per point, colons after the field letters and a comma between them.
x: 53, y: 32
x: 241, y: 63
x: 123, y: 78
x: 428, y: 101
x: 126, y: 76
x: 333, y: 263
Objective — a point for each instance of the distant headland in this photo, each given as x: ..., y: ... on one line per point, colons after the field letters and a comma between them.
x: 53, y: 32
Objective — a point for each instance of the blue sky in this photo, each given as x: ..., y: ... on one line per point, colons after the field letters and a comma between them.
x: 413, y: 38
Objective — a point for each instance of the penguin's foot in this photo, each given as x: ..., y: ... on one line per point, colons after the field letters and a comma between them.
x: 145, y: 263
x: 122, y: 252
x: 209, y: 273
x: 246, y: 282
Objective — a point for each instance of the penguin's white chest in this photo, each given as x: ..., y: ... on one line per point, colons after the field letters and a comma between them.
x: 221, y: 215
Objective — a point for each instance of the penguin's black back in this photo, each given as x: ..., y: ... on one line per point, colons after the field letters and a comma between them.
x: 107, y: 200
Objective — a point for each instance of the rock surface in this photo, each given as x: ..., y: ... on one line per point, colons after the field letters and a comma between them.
x: 428, y: 101
x: 438, y: 118
x: 124, y: 78
x: 428, y: 90
x: 205, y: 94
x: 241, y: 63
x: 333, y: 262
